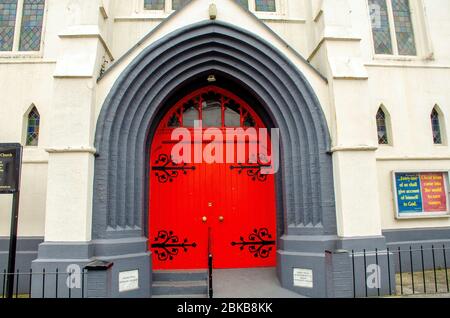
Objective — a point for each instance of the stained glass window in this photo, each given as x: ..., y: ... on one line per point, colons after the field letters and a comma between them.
x: 265, y: 5
x: 436, y: 127
x: 154, y: 4
x: 8, y: 10
x: 243, y: 3
x: 178, y: 4
x: 380, y: 27
x: 174, y: 121
x: 403, y: 27
x: 33, y: 128
x: 383, y: 138
x: 31, y: 30
x: 190, y: 113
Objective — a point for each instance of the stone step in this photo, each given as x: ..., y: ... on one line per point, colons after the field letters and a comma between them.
x: 176, y: 276
x: 180, y: 288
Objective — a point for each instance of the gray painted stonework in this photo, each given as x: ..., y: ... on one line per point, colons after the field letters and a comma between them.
x: 27, y: 248
x: 137, y: 101
x: 126, y: 254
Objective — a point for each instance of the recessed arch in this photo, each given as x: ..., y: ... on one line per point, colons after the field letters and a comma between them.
x: 31, y: 126
x: 138, y: 99
x: 384, y: 126
x: 438, y: 127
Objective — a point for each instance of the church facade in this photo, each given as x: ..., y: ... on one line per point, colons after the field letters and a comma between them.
x: 357, y: 90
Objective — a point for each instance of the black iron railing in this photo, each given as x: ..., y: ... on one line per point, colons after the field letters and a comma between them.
x: 52, y: 284
x: 402, y: 272
x: 210, y: 265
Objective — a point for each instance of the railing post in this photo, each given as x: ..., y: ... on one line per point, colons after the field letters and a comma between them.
x: 210, y: 265
x: 445, y: 265
x: 4, y: 283
x: 400, y: 268
x: 29, y: 286
x: 43, y: 283
x: 389, y: 270
x: 83, y: 272
x: 423, y: 271
x: 434, y: 269
x: 210, y: 276
x: 365, y: 273
x: 17, y: 283
x: 412, y: 269
x: 378, y: 266
x: 57, y: 281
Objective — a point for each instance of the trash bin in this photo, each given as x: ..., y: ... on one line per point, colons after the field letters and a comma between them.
x: 98, y: 279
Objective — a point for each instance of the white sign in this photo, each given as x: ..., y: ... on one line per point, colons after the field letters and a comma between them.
x: 128, y: 281
x: 303, y: 278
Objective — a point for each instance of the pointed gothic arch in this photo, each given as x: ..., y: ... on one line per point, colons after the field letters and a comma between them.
x: 31, y: 126
x: 438, y: 127
x: 384, y: 126
x: 137, y: 100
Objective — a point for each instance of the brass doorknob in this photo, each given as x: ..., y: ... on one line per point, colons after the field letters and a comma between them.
x: 221, y: 218
x: 204, y: 219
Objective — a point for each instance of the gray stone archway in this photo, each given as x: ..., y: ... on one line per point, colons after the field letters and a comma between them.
x: 137, y: 97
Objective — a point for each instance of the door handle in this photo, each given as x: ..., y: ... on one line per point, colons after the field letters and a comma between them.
x: 204, y: 219
x: 221, y: 218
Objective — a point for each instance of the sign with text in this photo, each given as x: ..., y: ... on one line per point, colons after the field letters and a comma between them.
x: 421, y: 194
x: 10, y: 161
x: 303, y: 278
x: 128, y: 281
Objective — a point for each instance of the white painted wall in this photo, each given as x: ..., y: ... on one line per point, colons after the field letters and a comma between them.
x: 334, y: 35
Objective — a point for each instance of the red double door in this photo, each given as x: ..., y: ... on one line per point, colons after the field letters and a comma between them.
x: 227, y: 209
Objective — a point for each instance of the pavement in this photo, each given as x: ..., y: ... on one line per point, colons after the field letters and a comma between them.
x: 249, y: 283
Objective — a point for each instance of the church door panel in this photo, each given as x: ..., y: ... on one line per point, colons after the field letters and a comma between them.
x: 229, y: 207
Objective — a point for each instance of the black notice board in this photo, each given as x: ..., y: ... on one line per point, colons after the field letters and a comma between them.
x: 10, y: 163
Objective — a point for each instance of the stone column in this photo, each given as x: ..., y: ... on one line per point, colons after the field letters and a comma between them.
x: 354, y: 127
x: 68, y: 220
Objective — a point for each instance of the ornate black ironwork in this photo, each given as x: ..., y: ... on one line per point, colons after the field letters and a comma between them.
x: 259, y: 243
x: 253, y: 170
x: 167, y: 170
x: 167, y: 245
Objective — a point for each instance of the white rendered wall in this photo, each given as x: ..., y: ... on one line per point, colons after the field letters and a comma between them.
x: 334, y: 35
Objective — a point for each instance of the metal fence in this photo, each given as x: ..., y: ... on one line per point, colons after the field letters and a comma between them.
x: 396, y: 271
x: 400, y: 272
x: 52, y: 284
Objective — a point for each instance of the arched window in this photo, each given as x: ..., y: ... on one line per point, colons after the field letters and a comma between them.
x: 243, y: 3
x: 154, y: 4
x: 436, y: 127
x: 178, y: 4
x: 33, y: 121
x: 382, y: 127
x: 214, y: 107
x: 396, y: 15
x: 25, y: 19
x: 265, y: 5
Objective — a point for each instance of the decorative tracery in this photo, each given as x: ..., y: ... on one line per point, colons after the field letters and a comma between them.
x: 215, y: 107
